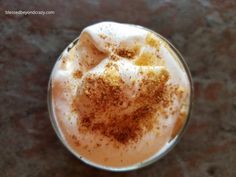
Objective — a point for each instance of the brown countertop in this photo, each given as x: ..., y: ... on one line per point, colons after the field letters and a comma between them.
x: 203, y: 30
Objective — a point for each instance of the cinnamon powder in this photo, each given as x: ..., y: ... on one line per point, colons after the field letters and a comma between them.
x: 101, y: 103
x: 106, y: 97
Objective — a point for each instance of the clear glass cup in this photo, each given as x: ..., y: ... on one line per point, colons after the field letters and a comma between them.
x: 155, y: 157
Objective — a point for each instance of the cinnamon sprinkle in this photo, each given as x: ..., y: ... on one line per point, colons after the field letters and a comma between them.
x: 125, y: 53
x: 102, y: 36
x: 153, y: 41
x: 77, y: 74
x: 101, y: 102
x: 105, y: 96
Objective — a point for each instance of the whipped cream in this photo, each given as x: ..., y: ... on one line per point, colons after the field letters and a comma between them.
x: 116, y: 72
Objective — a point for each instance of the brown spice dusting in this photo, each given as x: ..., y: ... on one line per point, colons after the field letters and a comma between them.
x: 128, y: 53
x: 77, y: 143
x: 100, y: 104
x: 114, y: 57
x: 149, y: 59
x: 85, y: 147
x: 101, y: 93
x: 125, y: 53
x: 74, y: 137
x: 75, y: 140
x: 102, y: 36
x: 90, y: 55
x: 126, y: 127
x: 153, y: 41
x: 64, y: 60
x: 98, y: 145
x: 77, y: 74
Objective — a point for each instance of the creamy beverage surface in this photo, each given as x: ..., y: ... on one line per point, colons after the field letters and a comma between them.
x: 119, y: 94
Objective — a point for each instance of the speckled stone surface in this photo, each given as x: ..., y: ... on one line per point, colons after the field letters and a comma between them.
x: 203, y: 30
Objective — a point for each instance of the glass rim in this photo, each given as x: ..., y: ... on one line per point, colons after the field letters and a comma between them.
x: 154, y: 157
